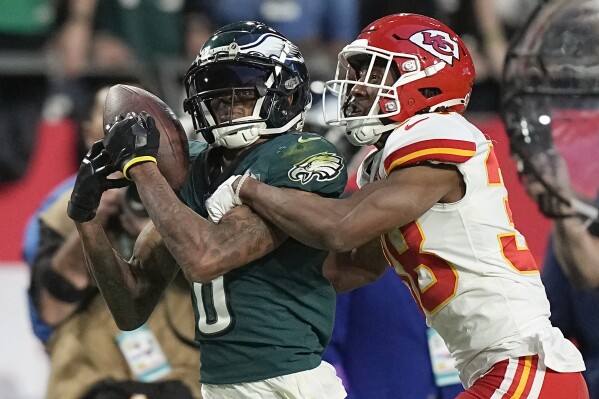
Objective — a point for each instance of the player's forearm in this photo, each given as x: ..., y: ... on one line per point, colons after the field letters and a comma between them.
x: 204, y: 250
x: 121, y: 288
x: 578, y: 252
x: 182, y: 230
x: 309, y: 218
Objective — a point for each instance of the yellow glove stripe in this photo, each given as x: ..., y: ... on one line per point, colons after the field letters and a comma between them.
x: 136, y: 160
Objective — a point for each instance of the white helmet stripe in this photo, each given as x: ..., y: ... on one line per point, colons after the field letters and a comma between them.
x: 207, y: 114
x: 258, y: 107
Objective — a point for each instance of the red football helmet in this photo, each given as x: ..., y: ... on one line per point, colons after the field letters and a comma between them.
x: 433, y: 66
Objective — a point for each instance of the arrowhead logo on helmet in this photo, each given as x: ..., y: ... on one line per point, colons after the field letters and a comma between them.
x: 438, y: 43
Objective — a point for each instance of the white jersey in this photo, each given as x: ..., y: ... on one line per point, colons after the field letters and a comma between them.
x: 467, y: 266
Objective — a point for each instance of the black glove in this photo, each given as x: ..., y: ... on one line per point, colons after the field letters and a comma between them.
x: 132, y: 140
x: 92, y: 180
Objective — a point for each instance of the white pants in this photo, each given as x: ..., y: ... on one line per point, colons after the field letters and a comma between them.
x: 319, y: 383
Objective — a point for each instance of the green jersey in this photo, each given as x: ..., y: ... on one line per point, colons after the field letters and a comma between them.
x: 275, y: 315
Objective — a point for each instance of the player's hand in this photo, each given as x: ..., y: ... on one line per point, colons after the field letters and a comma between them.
x: 226, y: 196
x: 92, y: 180
x: 223, y: 200
x: 132, y: 140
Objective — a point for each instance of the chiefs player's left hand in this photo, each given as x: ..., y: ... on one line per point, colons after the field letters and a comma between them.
x: 223, y: 200
x: 226, y: 196
x: 132, y: 140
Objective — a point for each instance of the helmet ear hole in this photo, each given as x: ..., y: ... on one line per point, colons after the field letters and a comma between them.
x: 430, y: 92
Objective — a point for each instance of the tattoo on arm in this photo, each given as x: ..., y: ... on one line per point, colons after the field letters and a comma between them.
x: 259, y: 236
x: 204, y: 250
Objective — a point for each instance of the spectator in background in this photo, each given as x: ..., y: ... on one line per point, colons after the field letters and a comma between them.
x: 320, y: 28
x: 130, y: 38
x: 115, y: 33
x: 72, y: 320
x: 551, y: 112
x: 24, y: 28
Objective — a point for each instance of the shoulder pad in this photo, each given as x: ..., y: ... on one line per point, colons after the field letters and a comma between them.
x: 430, y: 137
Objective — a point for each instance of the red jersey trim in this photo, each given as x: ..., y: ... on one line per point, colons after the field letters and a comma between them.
x: 441, y: 150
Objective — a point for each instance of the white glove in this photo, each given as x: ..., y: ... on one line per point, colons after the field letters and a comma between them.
x: 223, y: 200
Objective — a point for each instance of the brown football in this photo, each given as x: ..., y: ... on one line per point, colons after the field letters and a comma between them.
x: 173, y: 160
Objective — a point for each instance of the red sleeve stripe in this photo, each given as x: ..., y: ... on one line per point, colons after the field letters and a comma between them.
x: 441, y: 150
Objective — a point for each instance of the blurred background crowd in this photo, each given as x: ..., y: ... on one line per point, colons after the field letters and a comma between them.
x: 56, y: 54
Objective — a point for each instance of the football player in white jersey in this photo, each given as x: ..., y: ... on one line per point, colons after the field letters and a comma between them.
x: 432, y: 194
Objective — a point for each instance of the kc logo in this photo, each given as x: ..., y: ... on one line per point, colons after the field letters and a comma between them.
x: 438, y: 43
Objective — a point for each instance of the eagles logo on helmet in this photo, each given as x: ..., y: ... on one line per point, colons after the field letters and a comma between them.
x: 433, y: 67
x: 247, y: 58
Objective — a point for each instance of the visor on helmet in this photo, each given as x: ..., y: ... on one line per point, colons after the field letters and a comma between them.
x: 224, y: 76
x: 215, y: 90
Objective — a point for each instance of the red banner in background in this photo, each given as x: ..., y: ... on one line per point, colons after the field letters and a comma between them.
x: 574, y: 132
x: 52, y: 162
x: 529, y: 221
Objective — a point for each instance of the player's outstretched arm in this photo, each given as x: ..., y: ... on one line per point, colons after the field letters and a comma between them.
x: 131, y: 289
x: 61, y: 279
x: 341, y: 225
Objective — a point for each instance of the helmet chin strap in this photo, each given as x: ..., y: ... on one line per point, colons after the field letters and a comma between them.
x: 238, y: 136
x: 366, y: 131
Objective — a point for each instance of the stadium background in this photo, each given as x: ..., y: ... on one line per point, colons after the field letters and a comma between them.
x: 23, y: 363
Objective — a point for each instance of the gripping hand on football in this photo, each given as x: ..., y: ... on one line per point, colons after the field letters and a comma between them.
x: 132, y: 140
x: 92, y: 180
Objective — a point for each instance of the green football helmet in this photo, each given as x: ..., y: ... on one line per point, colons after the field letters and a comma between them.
x: 247, y: 62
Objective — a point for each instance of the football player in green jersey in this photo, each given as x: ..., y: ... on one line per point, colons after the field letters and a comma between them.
x: 264, y: 303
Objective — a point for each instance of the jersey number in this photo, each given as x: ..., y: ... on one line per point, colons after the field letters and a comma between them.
x: 211, y: 300
x: 432, y: 280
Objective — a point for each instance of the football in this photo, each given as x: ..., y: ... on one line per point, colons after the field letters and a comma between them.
x: 172, y: 158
